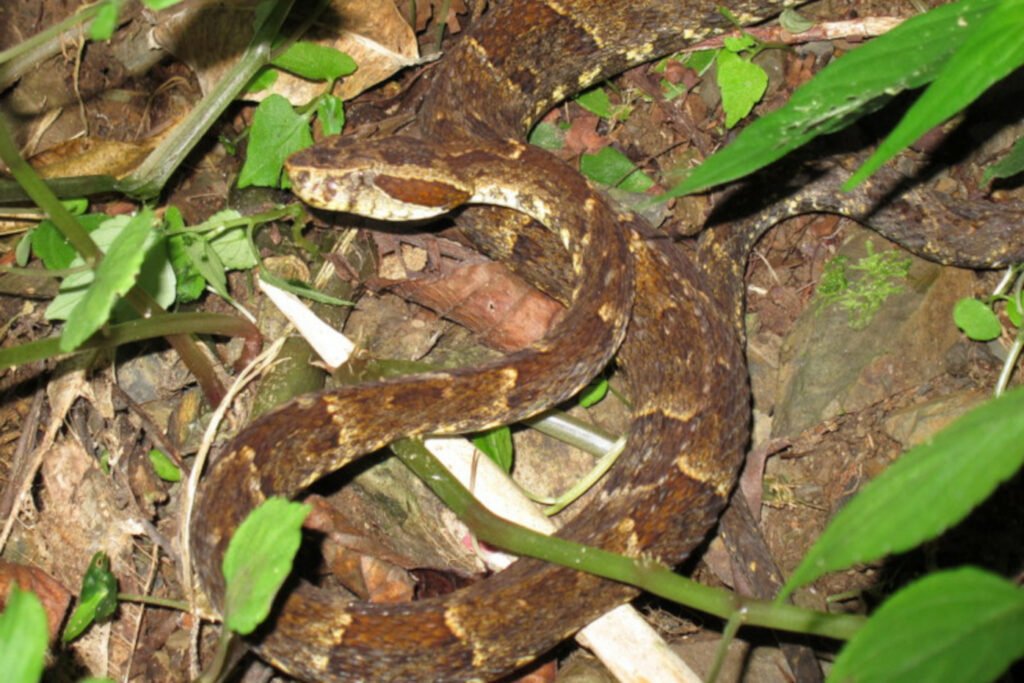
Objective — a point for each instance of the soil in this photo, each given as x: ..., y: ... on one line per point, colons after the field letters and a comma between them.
x: 833, y: 405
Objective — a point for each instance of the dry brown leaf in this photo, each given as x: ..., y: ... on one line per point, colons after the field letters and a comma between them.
x: 374, y: 34
x: 51, y: 593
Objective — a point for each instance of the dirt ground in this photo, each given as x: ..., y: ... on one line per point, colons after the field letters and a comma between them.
x: 833, y: 405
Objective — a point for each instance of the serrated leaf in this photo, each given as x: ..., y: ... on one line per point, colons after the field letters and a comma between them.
x: 98, y: 598
x: 991, y: 50
x: 960, y: 466
x: 496, y: 444
x: 23, y: 637
x: 276, y: 132
x: 613, y: 168
x: 977, y: 320
x: 258, y: 560
x: 960, y: 625
x: 163, y: 466
x: 115, y: 275
x: 852, y: 86
x: 315, y: 62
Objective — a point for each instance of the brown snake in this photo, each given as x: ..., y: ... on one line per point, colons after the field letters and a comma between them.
x: 681, y: 355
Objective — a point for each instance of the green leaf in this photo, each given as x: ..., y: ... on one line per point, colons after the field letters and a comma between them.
x: 594, y: 392
x: 50, y: 246
x: 547, y: 135
x: 164, y: 466
x: 960, y: 466
x: 331, y: 113
x: 98, y: 598
x: 156, y: 275
x: 961, y: 625
x: 206, y: 261
x: 190, y: 283
x: 105, y: 21
x: 854, y: 85
x: 23, y: 637
x: 613, y: 168
x: 794, y: 22
x: 1013, y: 312
x: 701, y: 60
x: 115, y: 275
x: 596, y: 101
x: 263, y: 79
x: 315, y: 62
x: 276, y: 132
x: 258, y: 560
x: 496, y: 444
x: 993, y: 48
x: 160, y: 4
x: 1008, y: 166
x: 737, y: 44
x: 742, y: 84
x: 977, y: 320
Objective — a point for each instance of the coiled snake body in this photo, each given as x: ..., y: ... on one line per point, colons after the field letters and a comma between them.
x: 681, y: 355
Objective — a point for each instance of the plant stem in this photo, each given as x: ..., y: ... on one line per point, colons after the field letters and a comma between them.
x: 642, y: 573
x: 179, y: 605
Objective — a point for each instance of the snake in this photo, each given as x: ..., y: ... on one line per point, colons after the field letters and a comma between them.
x: 672, y: 325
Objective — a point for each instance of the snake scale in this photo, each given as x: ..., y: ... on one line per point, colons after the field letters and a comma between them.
x: 679, y: 348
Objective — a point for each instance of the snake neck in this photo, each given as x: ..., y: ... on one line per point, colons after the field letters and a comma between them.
x: 485, y: 89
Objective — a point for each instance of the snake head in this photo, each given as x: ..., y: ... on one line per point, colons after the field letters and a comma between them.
x: 383, y: 179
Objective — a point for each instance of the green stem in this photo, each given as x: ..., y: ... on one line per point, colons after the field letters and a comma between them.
x: 152, y: 174
x: 176, y: 325
x: 179, y: 605
x: 644, y: 574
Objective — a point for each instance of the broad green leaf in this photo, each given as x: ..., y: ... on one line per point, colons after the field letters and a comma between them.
x: 156, y: 275
x: 960, y: 625
x: 98, y: 598
x: 977, y: 320
x: 927, y: 490
x: 23, y: 637
x: 547, y: 136
x: 163, y: 466
x: 50, y: 246
x: 742, y: 84
x: 315, y: 62
x: 115, y: 275
x: 276, y: 132
x: 496, y: 444
x: 613, y: 168
x: 854, y: 85
x: 258, y: 560
x: 992, y: 50
x: 1008, y: 166
x: 596, y: 101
